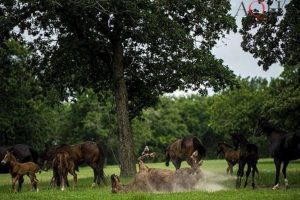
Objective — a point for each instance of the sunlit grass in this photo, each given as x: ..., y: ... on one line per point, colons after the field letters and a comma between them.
x: 218, y: 167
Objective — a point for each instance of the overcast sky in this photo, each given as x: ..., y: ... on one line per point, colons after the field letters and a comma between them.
x: 230, y: 50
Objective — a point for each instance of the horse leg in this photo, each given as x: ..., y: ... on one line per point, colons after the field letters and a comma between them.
x: 254, y: 169
x: 228, y: 168
x: 278, y: 166
x: 284, y: 167
x: 14, y: 180
x: 33, y: 181
x: 240, y: 174
x: 20, y: 183
x: 73, y: 173
x: 177, y: 164
x: 247, y: 174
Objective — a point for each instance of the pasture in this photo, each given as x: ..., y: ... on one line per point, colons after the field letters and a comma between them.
x: 215, y: 185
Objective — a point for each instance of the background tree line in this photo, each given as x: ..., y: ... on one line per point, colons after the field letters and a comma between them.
x: 91, y: 116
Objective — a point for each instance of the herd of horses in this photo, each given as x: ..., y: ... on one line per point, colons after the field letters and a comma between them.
x: 65, y: 159
x: 20, y: 160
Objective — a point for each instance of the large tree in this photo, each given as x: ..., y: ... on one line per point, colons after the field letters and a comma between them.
x: 139, y: 49
x: 274, y: 37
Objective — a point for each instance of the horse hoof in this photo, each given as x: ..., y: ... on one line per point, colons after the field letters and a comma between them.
x: 93, y: 185
x: 276, y: 187
x: 37, y: 189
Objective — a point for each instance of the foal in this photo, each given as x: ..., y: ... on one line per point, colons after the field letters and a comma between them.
x: 61, y: 165
x: 18, y: 170
x: 231, y: 155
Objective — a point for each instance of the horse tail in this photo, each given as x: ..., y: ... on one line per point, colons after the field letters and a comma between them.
x: 167, y: 152
x: 199, y: 146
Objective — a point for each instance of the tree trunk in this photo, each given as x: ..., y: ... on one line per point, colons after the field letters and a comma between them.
x: 126, y: 153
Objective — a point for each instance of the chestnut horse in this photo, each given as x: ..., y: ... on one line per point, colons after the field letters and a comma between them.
x: 62, y: 164
x: 23, y: 153
x: 231, y: 155
x: 88, y: 152
x: 283, y: 147
x: 182, y: 149
x: 18, y: 170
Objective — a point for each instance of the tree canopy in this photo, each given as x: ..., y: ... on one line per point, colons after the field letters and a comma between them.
x: 274, y: 37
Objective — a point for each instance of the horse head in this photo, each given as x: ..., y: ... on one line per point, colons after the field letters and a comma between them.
x: 7, y: 158
x: 262, y: 126
x: 116, y: 185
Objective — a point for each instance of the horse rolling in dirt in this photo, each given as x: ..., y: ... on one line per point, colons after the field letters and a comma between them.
x: 182, y: 149
x: 283, y: 147
x: 159, y: 180
x: 231, y: 155
x: 23, y: 153
x: 18, y: 170
x: 248, y: 155
x: 62, y: 164
x: 88, y: 152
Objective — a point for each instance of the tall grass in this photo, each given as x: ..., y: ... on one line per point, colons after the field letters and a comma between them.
x: 215, y: 167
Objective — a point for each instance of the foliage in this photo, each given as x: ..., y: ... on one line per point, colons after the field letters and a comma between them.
x: 274, y: 39
x: 282, y: 106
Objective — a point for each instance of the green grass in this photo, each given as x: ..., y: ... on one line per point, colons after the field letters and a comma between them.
x: 215, y: 167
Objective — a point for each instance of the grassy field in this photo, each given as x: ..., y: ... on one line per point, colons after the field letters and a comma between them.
x: 215, y: 185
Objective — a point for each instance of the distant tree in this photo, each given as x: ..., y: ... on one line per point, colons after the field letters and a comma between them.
x: 275, y: 37
x: 238, y: 109
x: 283, y: 104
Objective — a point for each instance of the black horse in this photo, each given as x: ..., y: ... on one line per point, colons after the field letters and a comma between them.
x: 23, y: 153
x: 248, y: 155
x: 182, y: 149
x: 283, y: 147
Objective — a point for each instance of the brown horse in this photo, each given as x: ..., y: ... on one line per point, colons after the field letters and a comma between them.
x: 88, y: 152
x: 18, y: 170
x: 231, y: 155
x: 182, y: 149
x: 160, y: 180
x: 61, y: 165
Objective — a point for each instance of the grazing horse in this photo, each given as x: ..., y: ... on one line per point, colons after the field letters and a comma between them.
x: 182, y: 149
x: 18, y: 170
x: 283, y: 147
x: 61, y: 165
x: 248, y: 155
x: 88, y: 152
x: 23, y: 153
x: 231, y: 155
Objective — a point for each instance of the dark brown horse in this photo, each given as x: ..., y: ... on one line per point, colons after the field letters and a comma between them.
x: 18, y: 170
x: 248, y: 155
x: 283, y: 147
x: 88, y: 152
x: 231, y: 155
x: 182, y: 149
x: 23, y: 153
x: 62, y: 164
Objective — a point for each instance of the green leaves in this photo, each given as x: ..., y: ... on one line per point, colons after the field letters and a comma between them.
x: 273, y: 39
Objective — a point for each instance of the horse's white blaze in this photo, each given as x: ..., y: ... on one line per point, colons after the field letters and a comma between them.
x: 4, y: 159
